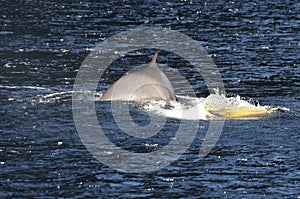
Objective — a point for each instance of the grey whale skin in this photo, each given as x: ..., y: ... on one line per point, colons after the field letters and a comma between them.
x: 147, y: 84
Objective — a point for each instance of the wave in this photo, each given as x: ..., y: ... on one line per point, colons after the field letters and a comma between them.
x: 215, y: 106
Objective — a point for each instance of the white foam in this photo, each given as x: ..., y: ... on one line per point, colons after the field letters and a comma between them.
x: 214, y: 106
x: 187, y: 108
x: 25, y: 87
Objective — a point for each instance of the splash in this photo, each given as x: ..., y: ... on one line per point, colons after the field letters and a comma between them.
x: 212, y: 107
x: 234, y: 107
x: 187, y: 108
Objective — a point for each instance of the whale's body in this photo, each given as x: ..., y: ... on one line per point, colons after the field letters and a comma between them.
x: 152, y: 84
x: 147, y: 84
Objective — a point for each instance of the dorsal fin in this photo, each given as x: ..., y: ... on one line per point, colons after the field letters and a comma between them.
x: 148, y: 83
x: 153, y: 61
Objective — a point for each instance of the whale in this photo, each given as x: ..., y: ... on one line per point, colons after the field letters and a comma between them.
x: 149, y: 83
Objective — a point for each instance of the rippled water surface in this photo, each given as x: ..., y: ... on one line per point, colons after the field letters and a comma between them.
x: 255, y: 45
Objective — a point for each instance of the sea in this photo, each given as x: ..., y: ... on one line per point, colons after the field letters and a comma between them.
x: 149, y: 149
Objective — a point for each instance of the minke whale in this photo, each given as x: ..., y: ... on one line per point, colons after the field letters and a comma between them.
x: 152, y: 84
x: 147, y: 84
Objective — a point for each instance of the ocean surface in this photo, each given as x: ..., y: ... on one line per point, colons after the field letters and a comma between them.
x: 255, y: 45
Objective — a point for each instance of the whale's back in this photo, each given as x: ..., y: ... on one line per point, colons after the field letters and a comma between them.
x: 149, y: 83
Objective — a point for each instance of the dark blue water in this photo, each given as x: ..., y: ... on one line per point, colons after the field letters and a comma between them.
x: 42, y: 45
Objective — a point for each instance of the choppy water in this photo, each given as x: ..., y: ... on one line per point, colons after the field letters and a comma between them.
x: 42, y: 45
